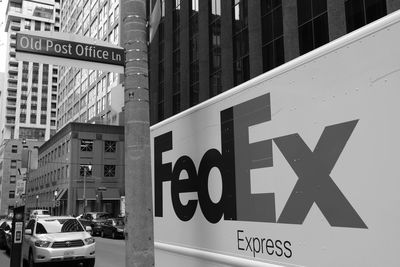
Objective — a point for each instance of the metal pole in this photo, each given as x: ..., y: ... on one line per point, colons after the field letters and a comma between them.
x: 84, y: 189
x: 138, y: 186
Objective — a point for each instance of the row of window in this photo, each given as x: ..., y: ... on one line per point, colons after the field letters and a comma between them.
x: 92, y: 103
x: 313, y: 31
x: 87, y: 169
x: 57, y: 152
x: 109, y: 146
x: 51, y: 177
x: 109, y: 171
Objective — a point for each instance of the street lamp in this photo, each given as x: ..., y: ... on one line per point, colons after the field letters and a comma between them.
x: 37, y: 201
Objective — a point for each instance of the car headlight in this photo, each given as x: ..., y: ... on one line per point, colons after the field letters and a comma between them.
x: 42, y: 244
x: 120, y: 230
x: 89, y: 240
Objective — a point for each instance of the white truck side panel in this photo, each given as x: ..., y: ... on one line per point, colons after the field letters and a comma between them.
x: 353, y: 79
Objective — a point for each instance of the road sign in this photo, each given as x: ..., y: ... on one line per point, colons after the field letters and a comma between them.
x: 20, y: 187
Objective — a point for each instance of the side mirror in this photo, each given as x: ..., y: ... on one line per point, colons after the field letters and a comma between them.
x: 28, y: 231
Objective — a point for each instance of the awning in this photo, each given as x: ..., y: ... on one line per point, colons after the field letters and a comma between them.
x: 90, y: 194
x: 111, y: 194
x: 61, y: 194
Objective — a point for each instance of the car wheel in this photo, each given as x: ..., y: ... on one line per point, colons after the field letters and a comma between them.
x: 31, y: 261
x: 113, y: 235
x: 89, y: 263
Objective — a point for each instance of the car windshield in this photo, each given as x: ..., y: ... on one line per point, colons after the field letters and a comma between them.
x: 119, y: 222
x: 103, y: 216
x: 51, y: 226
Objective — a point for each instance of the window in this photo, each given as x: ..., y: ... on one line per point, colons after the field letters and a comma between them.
x: 37, y: 25
x: 14, y: 149
x: 215, y: 47
x: 361, y: 12
x: 85, y: 168
x: 13, y: 164
x: 110, y: 146
x: 176, y: 98
x: 241, y: 65
x: 27, y: 24
x: 313, y: 24
x: 194, y: 53
x: 272, y: 34
x: 12, y: 179
x: 11, y: 194
x: 86, y: 145
x: 109, y: 170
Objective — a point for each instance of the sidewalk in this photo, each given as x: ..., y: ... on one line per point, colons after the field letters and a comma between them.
x: 4, y: 259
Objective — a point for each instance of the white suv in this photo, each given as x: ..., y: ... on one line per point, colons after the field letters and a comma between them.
x: 57, y: 239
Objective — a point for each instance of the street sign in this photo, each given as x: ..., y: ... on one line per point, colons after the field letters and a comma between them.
x: 20, y: 187
x: 68, y: 49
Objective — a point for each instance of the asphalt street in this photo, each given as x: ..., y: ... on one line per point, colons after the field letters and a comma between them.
x: 109, y: 253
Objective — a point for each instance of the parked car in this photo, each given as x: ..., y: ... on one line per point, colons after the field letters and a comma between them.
x: 8, y: 241
x: 35, y: 213
x: 4, y: 228
x: 113, y: 227
x: 94, y: 220
x: 57, y: 239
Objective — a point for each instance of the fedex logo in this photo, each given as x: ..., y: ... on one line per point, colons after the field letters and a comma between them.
x: 237, y: 157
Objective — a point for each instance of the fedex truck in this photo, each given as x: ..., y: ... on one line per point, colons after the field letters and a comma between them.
x: 296, y: 167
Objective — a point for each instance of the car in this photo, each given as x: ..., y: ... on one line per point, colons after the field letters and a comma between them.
x: 95, y: 220
x: 35, y: 213
x: 114, y: 227
x: 4, y: 228
x: 56, y: 239
x: 8, y: 241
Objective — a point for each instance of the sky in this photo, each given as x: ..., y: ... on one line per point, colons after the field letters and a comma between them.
x: 3, y: 36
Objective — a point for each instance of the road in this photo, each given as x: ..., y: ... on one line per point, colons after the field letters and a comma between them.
x: 109, y: 252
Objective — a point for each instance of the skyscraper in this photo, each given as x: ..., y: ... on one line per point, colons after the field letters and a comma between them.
x: 89, y: 95
x: 205, y: 47
x: 29, y: 99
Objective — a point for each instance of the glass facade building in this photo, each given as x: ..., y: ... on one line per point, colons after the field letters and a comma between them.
x: 203, y: 48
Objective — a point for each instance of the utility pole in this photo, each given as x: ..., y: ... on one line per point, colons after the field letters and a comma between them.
x: 138, y: 190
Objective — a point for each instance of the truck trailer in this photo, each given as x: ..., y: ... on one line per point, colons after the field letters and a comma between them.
x: 296, y: 167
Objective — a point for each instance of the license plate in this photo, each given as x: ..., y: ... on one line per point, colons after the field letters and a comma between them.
x: 68, y: 253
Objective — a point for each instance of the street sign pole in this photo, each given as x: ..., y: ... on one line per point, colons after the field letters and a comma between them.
x: 138, y: 193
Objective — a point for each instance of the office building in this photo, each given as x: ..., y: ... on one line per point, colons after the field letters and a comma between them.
x: 203, y: 48
x: 18, y: 157
x: 29, y: 100
x: 89, y: 95
x: 82, y: 161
